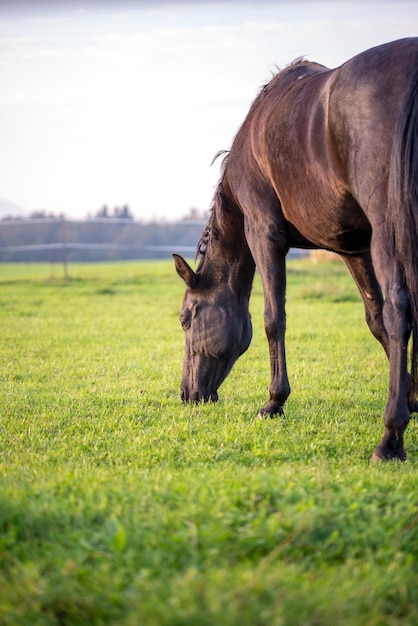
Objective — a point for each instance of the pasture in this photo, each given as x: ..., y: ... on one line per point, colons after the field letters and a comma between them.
x: 119, y: 505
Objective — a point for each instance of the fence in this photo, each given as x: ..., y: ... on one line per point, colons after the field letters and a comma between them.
x: 100, y: 239
x: 59, y: 240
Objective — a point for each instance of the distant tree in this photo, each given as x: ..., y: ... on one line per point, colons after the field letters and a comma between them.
x: 7, y: 218
x: 42, y: 214
x: 103, y: 212
x: 196, y: 214
x: 123, y: 213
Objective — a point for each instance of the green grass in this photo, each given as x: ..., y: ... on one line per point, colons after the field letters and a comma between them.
x: 119, y: 505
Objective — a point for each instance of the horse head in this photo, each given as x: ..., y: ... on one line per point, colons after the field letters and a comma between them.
x: 217, y: 327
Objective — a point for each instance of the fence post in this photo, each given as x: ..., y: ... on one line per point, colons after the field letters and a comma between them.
x: 63, y: 232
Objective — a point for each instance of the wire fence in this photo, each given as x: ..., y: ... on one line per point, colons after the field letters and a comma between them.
x: 53, y: 240
x: 60, y: 240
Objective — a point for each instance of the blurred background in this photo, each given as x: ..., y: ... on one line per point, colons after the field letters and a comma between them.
x: 116, y: 108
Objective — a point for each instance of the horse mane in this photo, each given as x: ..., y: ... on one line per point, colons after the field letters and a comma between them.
x: 211, y: 229
x: 216, y: 224
x: 275, y: 76
x: 217, y: 210
x: 202, y: 244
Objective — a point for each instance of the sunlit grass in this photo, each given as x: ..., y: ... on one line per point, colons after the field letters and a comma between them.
x: 119, y: 505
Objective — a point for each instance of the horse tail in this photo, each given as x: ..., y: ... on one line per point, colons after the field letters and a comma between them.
x: 402, y: 223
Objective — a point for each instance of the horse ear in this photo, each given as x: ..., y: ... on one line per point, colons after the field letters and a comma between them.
x: 184, y: 271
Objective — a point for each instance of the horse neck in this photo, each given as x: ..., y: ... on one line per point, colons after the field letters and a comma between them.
x: 228, y: 260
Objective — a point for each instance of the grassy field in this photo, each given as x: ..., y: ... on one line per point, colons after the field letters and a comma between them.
x: 119, y: 505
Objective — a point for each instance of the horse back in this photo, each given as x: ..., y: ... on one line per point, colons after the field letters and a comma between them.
x: 321, y: 139
x: 366, y: 99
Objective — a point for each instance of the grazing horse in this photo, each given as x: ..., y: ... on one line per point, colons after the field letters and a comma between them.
x: 326, y: 158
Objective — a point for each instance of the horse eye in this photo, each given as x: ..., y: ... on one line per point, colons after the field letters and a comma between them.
x: 185, y: 318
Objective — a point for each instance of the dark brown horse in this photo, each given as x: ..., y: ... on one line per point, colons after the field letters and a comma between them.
x: 325, y: 159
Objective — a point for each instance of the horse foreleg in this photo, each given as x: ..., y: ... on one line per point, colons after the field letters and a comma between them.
x: 275, y: 327
x: 274, y: 284
x: 269, y: 253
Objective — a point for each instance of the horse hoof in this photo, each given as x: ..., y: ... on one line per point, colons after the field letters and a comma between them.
x: 389, y: 457
x: 263, y: 415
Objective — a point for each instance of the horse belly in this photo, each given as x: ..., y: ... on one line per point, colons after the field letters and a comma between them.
x: 340, y: 226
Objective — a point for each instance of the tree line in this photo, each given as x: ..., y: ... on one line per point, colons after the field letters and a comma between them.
x: 106, y: 236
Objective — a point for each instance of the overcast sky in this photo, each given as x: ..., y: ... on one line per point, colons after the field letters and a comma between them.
x: 127, y: 102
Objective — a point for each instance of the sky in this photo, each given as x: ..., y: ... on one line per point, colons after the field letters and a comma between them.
x: 127, y: 102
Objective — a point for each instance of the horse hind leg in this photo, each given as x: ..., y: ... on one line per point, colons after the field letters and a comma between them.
x: 361, y: 268
x: 396, y: 317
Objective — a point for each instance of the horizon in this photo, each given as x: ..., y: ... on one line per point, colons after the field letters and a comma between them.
x: 126, y: 103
